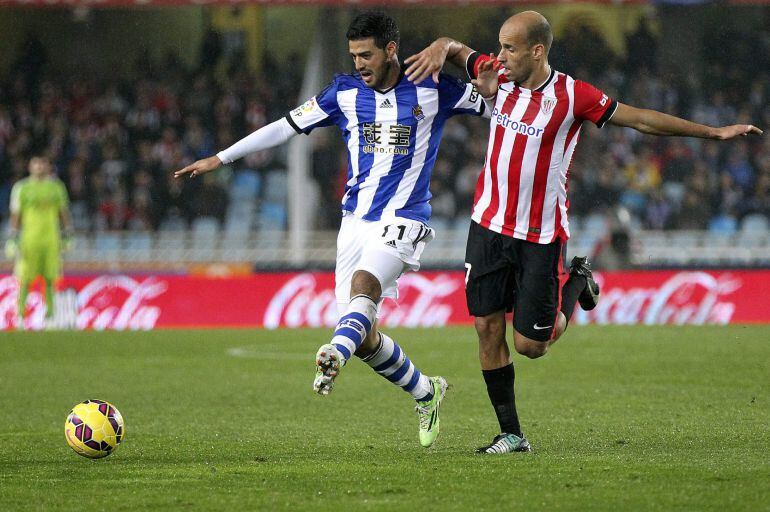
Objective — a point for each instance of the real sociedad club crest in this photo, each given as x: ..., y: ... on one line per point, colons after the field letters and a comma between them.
x: 547, y: 104
x: 417, y: 112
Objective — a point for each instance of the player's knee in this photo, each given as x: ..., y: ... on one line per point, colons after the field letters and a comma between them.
x: 364, y: 283
x: 561, y: 326
x: 529, y: 347
x: 491, y: 329
x: 533, y: 351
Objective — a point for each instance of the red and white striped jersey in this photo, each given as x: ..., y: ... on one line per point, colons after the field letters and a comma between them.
x: 522, y: 190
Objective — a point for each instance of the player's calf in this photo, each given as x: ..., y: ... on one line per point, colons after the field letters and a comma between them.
x: 353, y: 328
x: 355, y: 325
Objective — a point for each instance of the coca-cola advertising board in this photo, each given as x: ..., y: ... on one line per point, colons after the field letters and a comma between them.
x: 427, y: 299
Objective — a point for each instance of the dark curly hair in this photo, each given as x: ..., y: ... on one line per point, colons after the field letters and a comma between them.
x: 377, y: 25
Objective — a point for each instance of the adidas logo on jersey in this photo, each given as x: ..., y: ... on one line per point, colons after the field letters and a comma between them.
x: 386, y: 104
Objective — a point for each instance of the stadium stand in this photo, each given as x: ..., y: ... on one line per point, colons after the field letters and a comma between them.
x: 115, y: 144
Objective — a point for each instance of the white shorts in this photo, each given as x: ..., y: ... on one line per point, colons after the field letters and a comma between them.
x: 385, y: 248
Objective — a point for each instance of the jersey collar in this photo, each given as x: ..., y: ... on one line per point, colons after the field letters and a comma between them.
x: 543, y: 86
x: 398, y: 81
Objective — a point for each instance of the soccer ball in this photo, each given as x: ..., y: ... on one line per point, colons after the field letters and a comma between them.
x: 94, y: 429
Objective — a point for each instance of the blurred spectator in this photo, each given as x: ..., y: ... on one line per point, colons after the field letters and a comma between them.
x: 739, y: 168
x: 211, y: 200
x: 658, y: 211
x: 211, y: 50
x: 641, y: 48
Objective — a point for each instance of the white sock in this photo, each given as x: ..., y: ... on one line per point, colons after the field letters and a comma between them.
x: 391, y: 362
x: 354, y: 325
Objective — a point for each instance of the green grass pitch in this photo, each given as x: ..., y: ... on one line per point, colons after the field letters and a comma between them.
x: 620, y: 418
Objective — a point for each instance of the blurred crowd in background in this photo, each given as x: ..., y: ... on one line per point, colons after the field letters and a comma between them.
x: 116, y: 143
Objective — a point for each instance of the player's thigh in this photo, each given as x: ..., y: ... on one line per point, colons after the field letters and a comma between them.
x: 349, y: 247
x: 537, y: 292
x: 490, y: 277
x: 392, y: 247
x: 30, y: 264
x: 51, y: 264
x: 22, y: 271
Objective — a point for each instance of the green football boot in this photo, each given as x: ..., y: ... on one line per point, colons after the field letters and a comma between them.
x: 428, y: 412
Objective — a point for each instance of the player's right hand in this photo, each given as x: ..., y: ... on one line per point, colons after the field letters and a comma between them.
x: 199, y: 167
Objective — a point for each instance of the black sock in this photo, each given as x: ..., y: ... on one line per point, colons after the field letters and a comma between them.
x: 501, y: 394
x: 570, y: 293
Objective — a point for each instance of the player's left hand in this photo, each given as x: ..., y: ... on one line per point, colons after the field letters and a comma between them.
x: 428, y: 62
x: 486, y: 80
x: 11, y: 248
x: 729, y: 132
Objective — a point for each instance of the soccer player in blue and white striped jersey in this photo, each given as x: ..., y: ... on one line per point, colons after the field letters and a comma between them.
x: 392, y: 128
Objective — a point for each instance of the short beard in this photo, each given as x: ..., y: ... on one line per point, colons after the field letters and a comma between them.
x: 385, y: 73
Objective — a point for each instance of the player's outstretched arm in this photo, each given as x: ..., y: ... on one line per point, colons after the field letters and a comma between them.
x: 430, y: 61
x: 274, y: 134
x: 657, y: 123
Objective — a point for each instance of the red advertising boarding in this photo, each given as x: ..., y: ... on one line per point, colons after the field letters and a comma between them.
x: 426, y: 299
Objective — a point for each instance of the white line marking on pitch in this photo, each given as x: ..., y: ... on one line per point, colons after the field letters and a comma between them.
x: 267, y: 352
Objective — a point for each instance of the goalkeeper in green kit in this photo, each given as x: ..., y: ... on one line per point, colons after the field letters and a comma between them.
x: 38, y: 203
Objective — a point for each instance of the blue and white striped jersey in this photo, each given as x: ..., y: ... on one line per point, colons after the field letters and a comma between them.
x: 392, y: 138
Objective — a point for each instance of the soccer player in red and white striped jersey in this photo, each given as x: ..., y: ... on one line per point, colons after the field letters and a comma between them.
x: 520, y: 224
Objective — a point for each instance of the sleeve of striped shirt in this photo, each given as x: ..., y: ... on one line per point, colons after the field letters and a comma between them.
x: 458, y: 97
x: 472, y: 67
x: 320, y: 110
x: 592, y: 104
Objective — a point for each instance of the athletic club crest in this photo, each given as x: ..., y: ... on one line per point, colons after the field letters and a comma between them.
x: 547, y: 104
x: 417, y: 112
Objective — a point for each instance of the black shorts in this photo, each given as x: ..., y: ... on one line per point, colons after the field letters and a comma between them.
x: 505, y: 273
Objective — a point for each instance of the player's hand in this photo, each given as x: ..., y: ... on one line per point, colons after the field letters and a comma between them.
x: 11, y: 248
x: 729, y: 132
x: 428, y: 62
x: 68, y: 242
x: 486, y: 80
x: 199, y: 167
